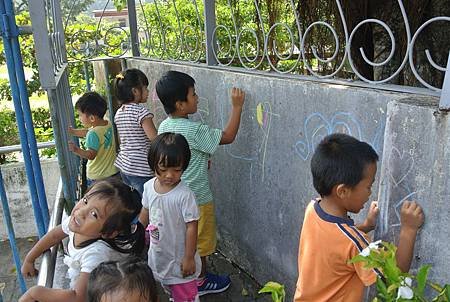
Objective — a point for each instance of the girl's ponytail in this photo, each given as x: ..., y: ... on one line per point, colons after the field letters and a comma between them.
x: 126, y: 81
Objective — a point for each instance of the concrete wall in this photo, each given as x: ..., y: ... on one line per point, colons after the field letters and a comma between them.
x: 262, y: 183
x: 416, y: 166
x: 19, y: 199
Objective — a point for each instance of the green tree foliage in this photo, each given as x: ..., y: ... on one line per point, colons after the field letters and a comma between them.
x: 70, y: 8
x: 9, y: 134
x: 176, y: 30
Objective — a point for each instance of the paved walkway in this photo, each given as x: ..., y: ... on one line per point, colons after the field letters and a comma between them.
x: 9, y: 284
x: 243, y: 288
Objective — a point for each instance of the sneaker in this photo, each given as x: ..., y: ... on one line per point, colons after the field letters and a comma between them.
x: 213, y: 284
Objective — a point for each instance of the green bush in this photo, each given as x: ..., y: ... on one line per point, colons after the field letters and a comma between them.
x: 9, y: 133
x: 395, y: 285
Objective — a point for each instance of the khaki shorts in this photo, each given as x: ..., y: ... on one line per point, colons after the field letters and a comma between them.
x: 207, y: 239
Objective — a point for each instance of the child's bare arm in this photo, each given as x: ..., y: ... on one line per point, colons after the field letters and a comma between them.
x: 371, y: 219
x: 77, y: 132
x: 43, y: 294
x: 149, y: 128
x: 412, y: 218
x: 188, y: 262
x: 143, y: 217
x: 88, y: 154
x: 232, y: 127
x: 50, y: 239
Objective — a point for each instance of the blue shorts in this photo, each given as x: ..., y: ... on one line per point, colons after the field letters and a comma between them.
x: 136, y: 182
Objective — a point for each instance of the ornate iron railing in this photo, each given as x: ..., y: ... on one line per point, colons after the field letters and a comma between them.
x: 286, y: 44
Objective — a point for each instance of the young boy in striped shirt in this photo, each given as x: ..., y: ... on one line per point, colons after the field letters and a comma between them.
x: 343, y: 171
x: 176, y: 91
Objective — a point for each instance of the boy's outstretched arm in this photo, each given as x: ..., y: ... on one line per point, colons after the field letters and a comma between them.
x: 412, y: 218
x: 43, y: 294
x: 371, y: 219
x: 88, y: 154
x: 78, y: 132
x: 232, y: 127
x: 50, y: 239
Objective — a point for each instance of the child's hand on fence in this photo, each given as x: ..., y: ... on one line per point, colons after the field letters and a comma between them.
x: 72, y: 147
x: 411, y: 215
x: 237, y: 97
x: 71, y: 130
x: 187, y: 266
x: 28, y: 269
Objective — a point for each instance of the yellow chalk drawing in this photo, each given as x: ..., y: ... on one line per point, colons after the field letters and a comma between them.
x: 259, y: 113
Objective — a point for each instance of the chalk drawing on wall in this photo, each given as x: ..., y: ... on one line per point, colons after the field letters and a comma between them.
x: 262, y: 113
x: 316, y: 126
x: 264, y: 119
x: 400, y: 168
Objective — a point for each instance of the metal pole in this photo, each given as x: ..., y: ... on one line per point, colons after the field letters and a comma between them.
x: 210, y: 25
x: 69, y: 117
x: 11, y: 235
x: 444, y: 103
x: 132, y: 22
x: 108, y: 92
x: 19, y: 117
x: 61, y: 147
x: 123, y: 64
x: 25, y: 103
x: 86, y: 75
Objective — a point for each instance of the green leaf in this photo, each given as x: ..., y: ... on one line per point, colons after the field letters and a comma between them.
x: 381, y: 287
x: 244, y: 292
x: 447, y: 292
x: 392, y: 288
x: 421, y: 278
x: 276, y: 289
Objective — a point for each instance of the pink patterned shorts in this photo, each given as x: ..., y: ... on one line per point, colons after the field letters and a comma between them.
x: 184, y: 292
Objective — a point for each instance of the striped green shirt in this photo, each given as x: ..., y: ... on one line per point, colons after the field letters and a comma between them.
x: 203, y: 142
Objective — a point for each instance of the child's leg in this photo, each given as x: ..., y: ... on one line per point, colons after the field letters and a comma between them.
x: 206, y: 245
x: 207, y: 239
x: 185, y: 292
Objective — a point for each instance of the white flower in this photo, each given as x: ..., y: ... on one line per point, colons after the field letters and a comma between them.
x: 405, y: 291
x: 372, y: 246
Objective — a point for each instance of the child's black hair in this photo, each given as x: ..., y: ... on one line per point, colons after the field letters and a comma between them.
x: 340, y: 159
x: 169, y: 150
x: 173, y: 86
x: 129, y: 275
x: 92, y: 103
x: 126, y: 81
x: 126, y: 206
